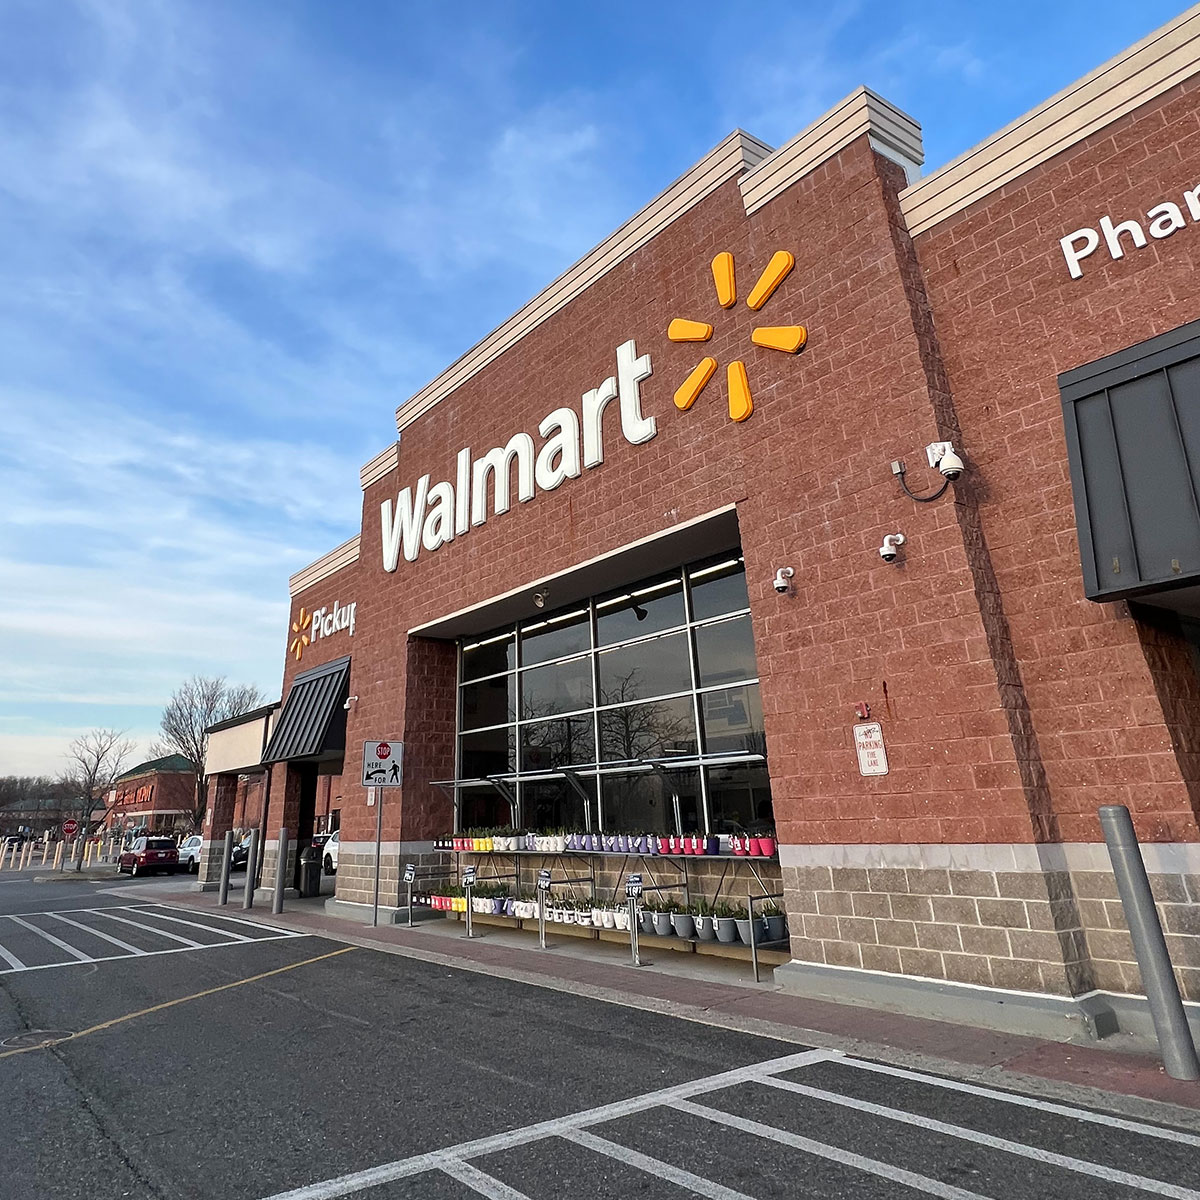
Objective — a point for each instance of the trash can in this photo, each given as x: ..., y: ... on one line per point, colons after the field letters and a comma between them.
x: 310, y: 871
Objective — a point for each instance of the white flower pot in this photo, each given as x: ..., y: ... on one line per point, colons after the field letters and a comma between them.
x: 621, y: 918
x: 607, y: 917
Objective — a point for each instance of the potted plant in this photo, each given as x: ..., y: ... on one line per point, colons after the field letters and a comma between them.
x: 774, y: 922
x: 646, y: 914
x: 621, y: 918
x: 684, y: 923
x: 706, y: 929
x: 723, y: 920
x: 663, y: 924
x: 741, y: 918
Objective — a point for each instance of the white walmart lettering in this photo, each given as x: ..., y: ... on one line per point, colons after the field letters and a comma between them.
x: 431, y: 514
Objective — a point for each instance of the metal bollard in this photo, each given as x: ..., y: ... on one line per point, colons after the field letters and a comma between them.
x: 280, y: 872
x: 251, y: 861
x: 1162, y: 992
x: 542, y: 919
x: 226, y: 866
x: 633, y: 931
x: 467, y: 889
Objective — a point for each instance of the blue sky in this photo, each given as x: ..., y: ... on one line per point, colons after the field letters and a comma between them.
x: 235, y: 234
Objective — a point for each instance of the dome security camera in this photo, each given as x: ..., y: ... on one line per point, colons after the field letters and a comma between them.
x: 943, y: 457
x: 782, y: 581
x: 890, y: 549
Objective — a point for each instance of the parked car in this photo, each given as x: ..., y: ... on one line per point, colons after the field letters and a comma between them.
x: 331, y: 852
x: 189, y: 853
x: 149, y: 854
x: 241, y: 852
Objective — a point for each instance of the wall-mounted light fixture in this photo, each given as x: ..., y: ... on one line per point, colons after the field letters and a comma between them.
x: 540, y: 598
x: 349, y: 701
x: 942, y: 457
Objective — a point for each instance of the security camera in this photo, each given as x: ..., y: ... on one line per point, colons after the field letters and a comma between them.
x: 891, y: 547
x: 782, y: 580
x: 942, y: 456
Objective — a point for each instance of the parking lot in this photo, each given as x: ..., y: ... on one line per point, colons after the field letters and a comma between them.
x: 256, y: 1065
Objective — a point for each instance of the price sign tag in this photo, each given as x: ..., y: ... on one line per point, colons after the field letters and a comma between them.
x: 410, y: 872
x: 633, y: 887
x: 468, y: 878
x: 543, y: 881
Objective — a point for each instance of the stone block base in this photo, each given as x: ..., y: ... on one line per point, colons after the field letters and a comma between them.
x: 348, y: 910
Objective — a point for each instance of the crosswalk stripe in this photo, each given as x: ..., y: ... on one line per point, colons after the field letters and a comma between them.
x: 653, y: 1166
x: 71, y: 950
x: 175, y: 937
x: 106, y: 937
x: 482, y: 1183
x: 1067, y: 1163
x: 872, y: 1166
x: 229, y: 933
x: 13, y: 961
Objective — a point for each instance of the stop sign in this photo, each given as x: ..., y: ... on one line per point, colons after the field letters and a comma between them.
x: 70, y: 827
x: 383, y: 750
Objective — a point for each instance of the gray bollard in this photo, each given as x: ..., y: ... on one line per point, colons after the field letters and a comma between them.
x: 280, y: 872
x: 248, y: 894
x: 1162, y: 992
x: 226, y: 866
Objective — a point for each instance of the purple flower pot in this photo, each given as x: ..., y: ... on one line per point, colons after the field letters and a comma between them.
x: 623, y: 843
x: 712, y: 845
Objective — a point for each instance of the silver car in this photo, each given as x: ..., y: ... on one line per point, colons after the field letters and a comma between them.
x: 189, y: 853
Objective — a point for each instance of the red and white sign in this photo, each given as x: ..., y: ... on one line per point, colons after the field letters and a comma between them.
x: 70, y: 827
x: 872, y: 754
x: 383, y: 764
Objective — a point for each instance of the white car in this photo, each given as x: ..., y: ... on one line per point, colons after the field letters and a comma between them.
x: 189, y: 853
x: 330, y: 849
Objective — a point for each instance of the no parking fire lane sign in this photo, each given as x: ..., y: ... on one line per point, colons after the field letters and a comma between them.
x: 383, y: 764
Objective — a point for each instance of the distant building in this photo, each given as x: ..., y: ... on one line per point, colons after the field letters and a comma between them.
x: 158, y: 795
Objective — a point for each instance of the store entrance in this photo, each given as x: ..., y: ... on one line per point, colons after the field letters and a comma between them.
x: 306, y: 817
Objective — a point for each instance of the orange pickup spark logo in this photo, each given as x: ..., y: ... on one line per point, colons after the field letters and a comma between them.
x: 299, y: 625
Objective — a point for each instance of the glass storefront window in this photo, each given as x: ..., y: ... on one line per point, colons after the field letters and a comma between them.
x: 657, y: 667
x: 739, y: 799
x: 489, y: 655
x: 490, y: 702
x: 487, y: 753
x: 718, y: 587
x: 565, y: 741
x: 610, y: 680
x: 484, y: 808
x: 558, y: 688
x: 725, y: 651
x: 640, y: 611
x: 555, y: 636
x: 651, y: 730
x: 733, y: 721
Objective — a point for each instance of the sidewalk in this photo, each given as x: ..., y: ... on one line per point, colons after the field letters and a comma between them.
x: 715, y: 991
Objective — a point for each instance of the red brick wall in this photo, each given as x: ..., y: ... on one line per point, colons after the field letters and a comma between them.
x: 1009, y: 318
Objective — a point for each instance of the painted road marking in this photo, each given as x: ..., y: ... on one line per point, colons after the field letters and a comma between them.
x: 871, y: 1166
x: 653, y: 1166
x: 986, y: 1139
x: 357, y: 1181
x: 1062, y: 1110
x: 229, y: 933
x: 479, y: 1181
x: 88, y: 920
x: 104, y: 937
x: 154, y: 1008
x: 455, y: 1160
x: 71, y: 950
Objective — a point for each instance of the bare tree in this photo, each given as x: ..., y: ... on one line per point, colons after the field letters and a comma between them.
x: 198, y: 703
x: 94, y: 760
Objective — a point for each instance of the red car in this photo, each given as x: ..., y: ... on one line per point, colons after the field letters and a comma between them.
x: 149, y: 854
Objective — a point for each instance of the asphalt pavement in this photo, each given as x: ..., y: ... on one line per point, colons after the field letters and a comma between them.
x: 256, y: 1062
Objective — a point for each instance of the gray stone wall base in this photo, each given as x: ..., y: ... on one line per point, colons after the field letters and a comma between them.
x: 211, y: 885
x: 1057, y: 1018
x: 349, y: 910
x: 268, y: 893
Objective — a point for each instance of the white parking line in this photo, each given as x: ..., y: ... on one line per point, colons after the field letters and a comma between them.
x: 13, y: 961
x: 71, y: 950
x: 986, y: 1139
x: 229, y: 933
x: 922, y: 1183
x: 482, y: 1183
x: 106, y: 937
x: 358, y: 1181
x: 652, y: 1166
x: 1062, y: 1110
x: 174, y: 937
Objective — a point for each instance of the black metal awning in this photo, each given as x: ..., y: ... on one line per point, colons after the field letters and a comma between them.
x: 312, y: 724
